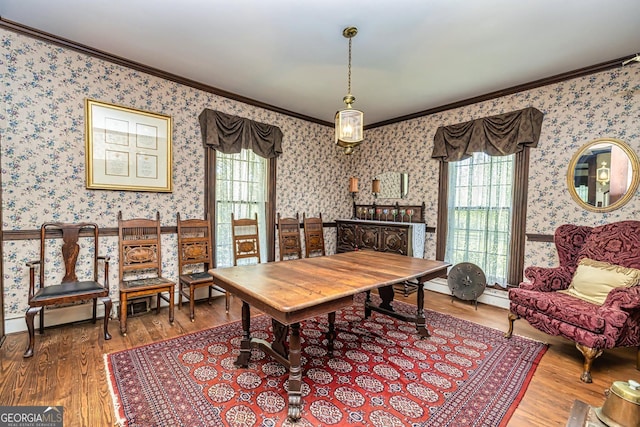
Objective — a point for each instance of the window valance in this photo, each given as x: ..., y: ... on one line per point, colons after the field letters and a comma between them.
x: 498, y: 135
x: 230, y: 134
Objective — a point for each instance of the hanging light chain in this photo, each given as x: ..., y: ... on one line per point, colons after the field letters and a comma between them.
x: 349, y: 79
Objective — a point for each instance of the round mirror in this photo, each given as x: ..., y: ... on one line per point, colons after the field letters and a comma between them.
x: 603, y: 175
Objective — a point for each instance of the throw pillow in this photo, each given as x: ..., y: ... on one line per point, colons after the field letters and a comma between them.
x: 594, y: 280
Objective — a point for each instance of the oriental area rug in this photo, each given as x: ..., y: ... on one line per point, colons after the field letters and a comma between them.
x: 381, y: 374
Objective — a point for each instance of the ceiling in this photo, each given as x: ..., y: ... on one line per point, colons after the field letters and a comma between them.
x: 409, y: 55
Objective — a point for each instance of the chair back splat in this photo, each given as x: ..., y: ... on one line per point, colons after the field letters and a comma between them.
x: 313, y: 236
x: 289, y: 238
x: 246, y: 240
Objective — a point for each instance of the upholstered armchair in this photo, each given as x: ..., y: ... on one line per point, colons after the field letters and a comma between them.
x: 592, y: 297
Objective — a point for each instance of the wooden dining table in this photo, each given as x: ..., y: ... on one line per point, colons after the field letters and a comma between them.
x: 296, y: 290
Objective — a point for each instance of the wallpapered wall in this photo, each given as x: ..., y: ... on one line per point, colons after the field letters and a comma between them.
x: 577, y: 111
x: 43, y: 154
x: 43, y: 149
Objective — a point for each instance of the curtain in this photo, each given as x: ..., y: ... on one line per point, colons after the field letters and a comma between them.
x: 241, y: 188
x: 479, y: 229
x: 230, y: 134
x: 499, y: 135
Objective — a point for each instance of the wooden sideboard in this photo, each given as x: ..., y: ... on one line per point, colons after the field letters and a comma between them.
x: 401, y: 238
x: 384, y: 228
x: 377, y: 236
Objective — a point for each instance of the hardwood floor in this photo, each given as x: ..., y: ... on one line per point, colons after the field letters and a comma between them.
x: 68, y: 366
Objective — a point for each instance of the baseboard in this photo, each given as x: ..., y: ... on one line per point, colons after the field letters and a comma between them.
x: 77, y: 313
x: 58, y: 316
x: 80, y: 312
x: 494, y: 297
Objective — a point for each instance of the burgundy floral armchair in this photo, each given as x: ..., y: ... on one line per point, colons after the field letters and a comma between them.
x: 593, y: 327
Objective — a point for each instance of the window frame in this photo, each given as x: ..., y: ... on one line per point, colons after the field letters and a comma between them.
x: 518, y: 216
x: 210, y: 200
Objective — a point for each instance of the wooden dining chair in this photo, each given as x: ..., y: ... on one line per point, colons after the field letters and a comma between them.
x: 140, y: 253
x: 313, y: 236
x: 246, y: 239
x: 289, y: 238
x: 194, y: 261
x: 49, y: 289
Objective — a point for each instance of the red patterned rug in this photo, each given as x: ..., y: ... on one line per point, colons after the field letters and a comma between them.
x: 380, y: 375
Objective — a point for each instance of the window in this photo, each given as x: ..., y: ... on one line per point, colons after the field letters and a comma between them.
x: 480, y: 212
x: 241, y: 188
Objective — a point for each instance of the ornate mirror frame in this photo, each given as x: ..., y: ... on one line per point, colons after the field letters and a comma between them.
x: 601, y: 177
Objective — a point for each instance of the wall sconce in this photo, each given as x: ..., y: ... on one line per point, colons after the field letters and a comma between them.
x: 375, y: 187
x: 602, y: 174
x: 353, y: 189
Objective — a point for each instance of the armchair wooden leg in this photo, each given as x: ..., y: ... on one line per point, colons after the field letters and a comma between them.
x: 227, y: 296
x: 31, y: 313
x: 512, y: 318
x: 590, y: 354
x: 107, y: 314
x: 180, y: 296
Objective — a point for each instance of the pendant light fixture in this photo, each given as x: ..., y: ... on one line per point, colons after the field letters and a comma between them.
x: 349, y: 121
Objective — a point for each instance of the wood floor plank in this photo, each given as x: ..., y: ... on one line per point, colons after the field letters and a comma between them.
x: 68, y: 367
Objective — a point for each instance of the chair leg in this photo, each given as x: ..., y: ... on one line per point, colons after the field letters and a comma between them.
x: 107, y: 314
x: 590, y: 354
x: 123, y: 314
x: 227, y: 297
x: 512, y: 318
x: 31, y: 313
x: 41, y: 320
x: 95, y: 309
x: 192, y: 303
x: 180, y: 295
x: 171, y: 298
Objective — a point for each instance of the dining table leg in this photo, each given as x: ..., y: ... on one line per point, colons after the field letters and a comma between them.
x: 295, y: 374
x: 245, y: 344
x: 331, y: 333
x: 421, y: 323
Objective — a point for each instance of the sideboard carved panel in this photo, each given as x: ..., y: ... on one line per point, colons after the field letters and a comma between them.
x: 404, y: 239
x: 395, y: 239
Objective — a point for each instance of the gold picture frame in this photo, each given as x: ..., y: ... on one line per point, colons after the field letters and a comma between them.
x: 127, y: 149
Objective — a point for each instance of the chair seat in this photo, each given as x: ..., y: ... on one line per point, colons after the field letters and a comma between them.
x: 196, y: 278
x: 147, y: 283
x: 82, y: 290
x: 562, y: 307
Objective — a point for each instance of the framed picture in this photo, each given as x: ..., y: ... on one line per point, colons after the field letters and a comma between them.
x: 127, y: 149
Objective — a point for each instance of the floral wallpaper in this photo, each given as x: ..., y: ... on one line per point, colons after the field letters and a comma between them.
x: 43, y: 152
x: 576, y: 112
